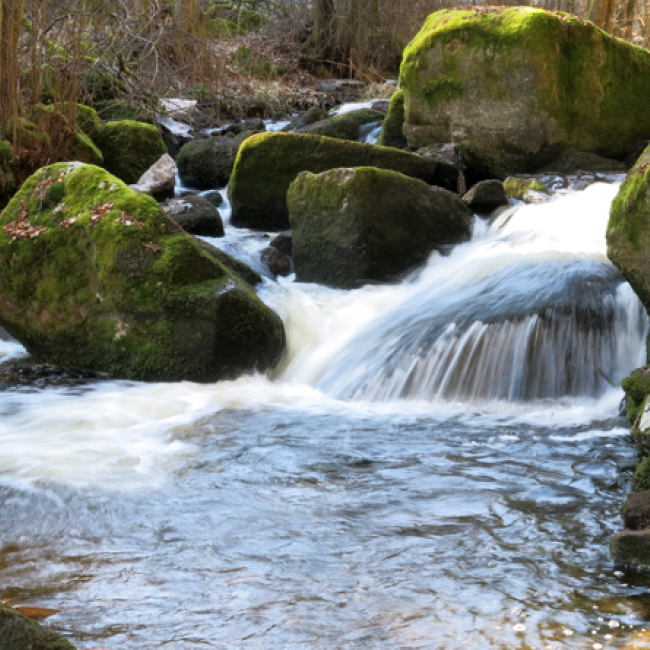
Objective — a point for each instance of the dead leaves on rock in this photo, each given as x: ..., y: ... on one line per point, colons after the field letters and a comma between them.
x: 22, y: 228
x: 152, y: 247
x: 126, y: 220
x: 97, y: 214
x: 31, y: 612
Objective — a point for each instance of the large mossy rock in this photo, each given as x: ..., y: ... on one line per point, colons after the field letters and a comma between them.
x: 365, y: 224
x: 523, y: 79
x: 628, y: 230
x: 129, y: 148
x: 17, y: 632
x: 392, y: 130
x: 346, y: 126
x: 630, y: 549
x: 268, y: 163
x: 637, y: 389
x: 207, y: 164
x: 94, y: 275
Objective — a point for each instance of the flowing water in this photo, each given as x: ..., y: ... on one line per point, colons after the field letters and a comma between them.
x: 437, y: 463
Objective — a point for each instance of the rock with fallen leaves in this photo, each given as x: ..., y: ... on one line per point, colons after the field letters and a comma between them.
x: 18, y: 632
x: 159, y: 180
x: 95, y: 276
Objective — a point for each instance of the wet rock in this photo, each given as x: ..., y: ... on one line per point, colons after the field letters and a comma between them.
x: 628, y: 230
x: 485, y: 162
x: 110, y: 284
x: 207, y: 164
x: 630, y: 549
x: 237, y: 267
x: 362, y: 224
x: 381, y: 105
x: 517, y: 188
x: 392, y: 130
x: 311, y: 116
x: 159, y: 180
x: 346, y: 126
x: 24, y: 373
x: 267, y: 164
x: 533, y: 196
x: 278, y: 262
x: 344, y: 90
x: 637, y: 389
x: 572, y: 162
x: 195, y: 215
x: 486, y: 196
x: 636, y: 511
x: 284, y: 243
x: 17, y: 632
x: 444, y: 153
x: 174, y: 139
x: 245, y: 125
x: 641, y: 478
x: 214, y: 197
x: 520, y: 79
x: 129, y: 148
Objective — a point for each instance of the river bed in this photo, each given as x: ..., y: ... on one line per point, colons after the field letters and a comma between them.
x: 437, y: 463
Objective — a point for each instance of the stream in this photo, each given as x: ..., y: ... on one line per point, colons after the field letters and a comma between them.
x: 436, y: 463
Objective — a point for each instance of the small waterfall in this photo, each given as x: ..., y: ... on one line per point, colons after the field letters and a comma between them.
x: 369, y: 133
x: 529, y: 309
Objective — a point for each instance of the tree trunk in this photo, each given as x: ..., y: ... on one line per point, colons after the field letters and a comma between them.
x: 11, y: 18
x: 325, y: 15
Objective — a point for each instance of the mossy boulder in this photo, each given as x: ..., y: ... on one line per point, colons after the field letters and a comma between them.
x: 310, y: 116
x: 516, y: 188
x: 129, y: 148
x: 641, y: 479
x: 17, y: 632
x: 84, y: 150
x: 23, y: 132
x: 630, y: 549
x: 482, y: 161
x: 522, y: 79
x: 268, y: 163
x: 87, y: 119
x: 115, y: 110
x: 636, y: 511
x: 94, y: 275
x: 392, y: 130
x: 207, y: 164
x: 637, y: 389
x: 362, y: 224
x: 572, y: 162
x: 346, y: 126
x: 235, y: 266
x: 196, y: 215
x: 628, y: 230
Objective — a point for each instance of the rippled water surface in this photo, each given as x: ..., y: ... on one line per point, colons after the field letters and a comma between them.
x: 297, y: 512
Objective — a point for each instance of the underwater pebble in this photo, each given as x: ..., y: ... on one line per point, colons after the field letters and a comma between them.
x: 614, y: 624
x: 519, y: 627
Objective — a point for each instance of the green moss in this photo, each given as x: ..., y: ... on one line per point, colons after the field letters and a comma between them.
x: 87, y: 119
x: 130, y: 148
x: 255, y: 65
x: 346, y: 126
x: 103, y: 85
x: 222, y: 28
x: 392, y: 131
x: 6, y: 153
x: 17, y: 632
x: 267, y: 163
x: 637, y: 389
x: 140, y: 301
x: 641, y: 480
x: 85, y: 151
x: 516, y: 187
x: 589, y: 88
x: 115, y: 110
x: 20, y: 130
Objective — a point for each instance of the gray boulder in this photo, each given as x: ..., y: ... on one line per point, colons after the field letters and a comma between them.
x: 195, y: 215
x: 207, y: 164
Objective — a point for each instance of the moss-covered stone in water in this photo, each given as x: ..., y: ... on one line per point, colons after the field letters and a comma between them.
x: 139, y: 301
x: 392, y: 131
x: 366, y: 224
x: 130, y: 148
x: 523, y: 78
x: 346, y: 126
x: 628, y: 230
x: 17, y: 632
x: 637, y: 389
x: 630, y: 549
x: 641, y: 480
x: 267, y: 164
x: 516, y: 187
x: 208, y: 163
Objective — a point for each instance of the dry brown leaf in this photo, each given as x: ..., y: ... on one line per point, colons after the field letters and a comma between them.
x: 35, y: 612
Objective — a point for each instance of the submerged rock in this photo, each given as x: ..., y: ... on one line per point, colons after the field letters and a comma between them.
x: 364, y: 224
x: 522, y: 79
x: 159, y: 180
x: 17, y: 632
x: 268, y: 163
x: 346, y: 126
x: 284, y: 243
x: 196, y: 215
x: 207, y: 164
x: 392, y: 130
x: 630, y: 549
x: 486, y: 196
x: 94, y: 275
x: 129, y: 148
